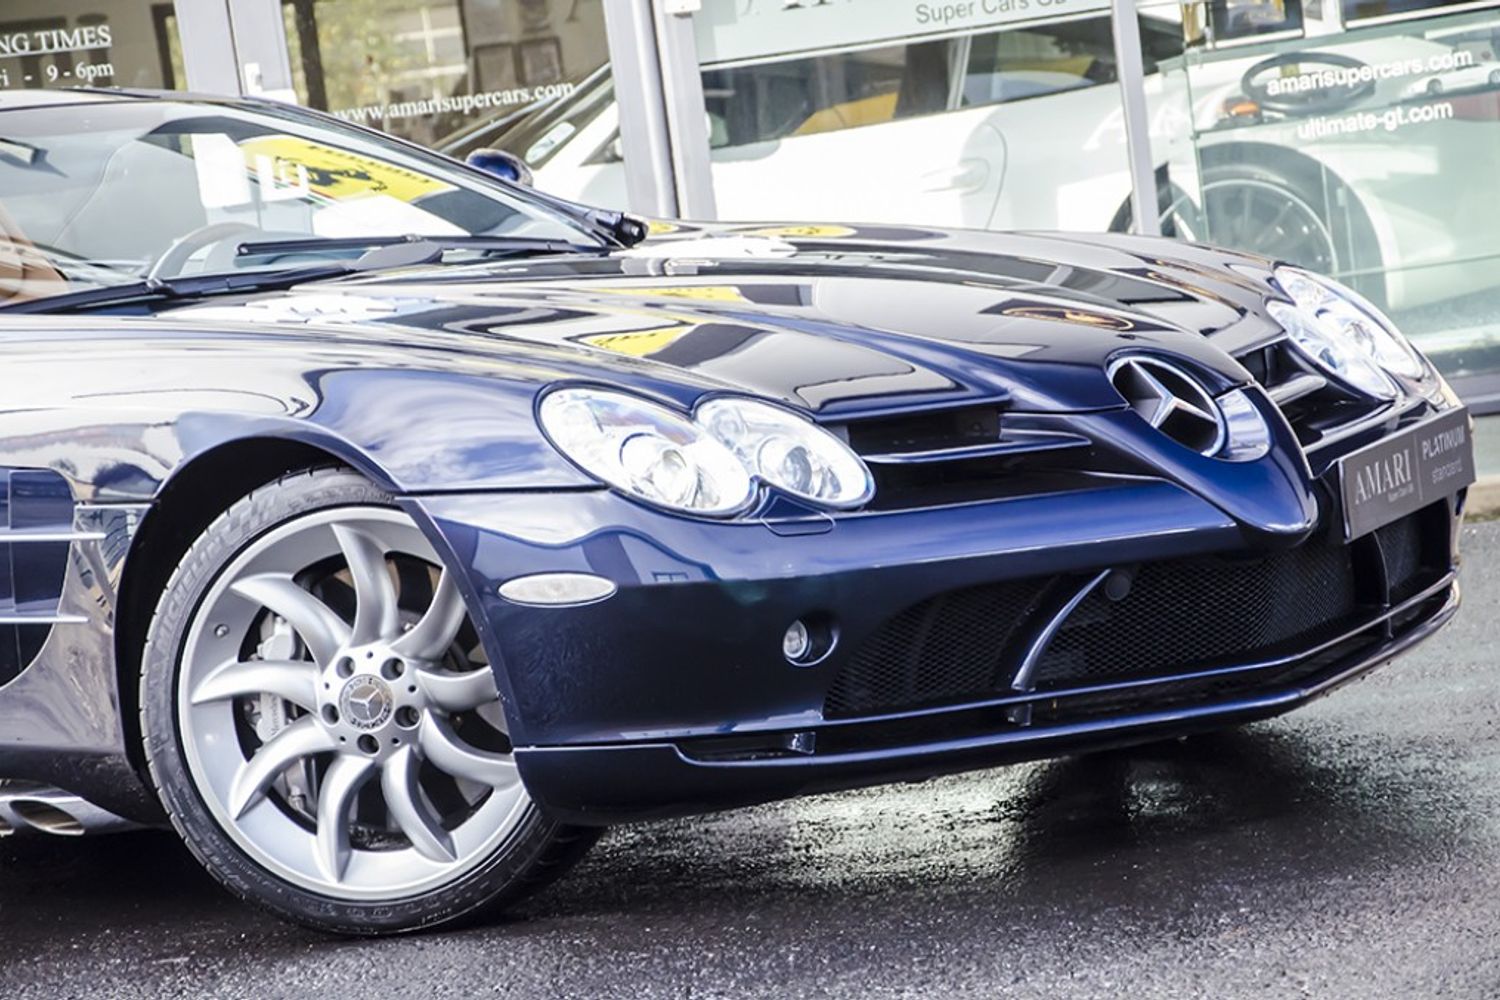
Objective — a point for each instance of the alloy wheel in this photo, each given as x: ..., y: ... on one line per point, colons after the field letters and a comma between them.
x: 1256, y: 217
x: 337, y: 714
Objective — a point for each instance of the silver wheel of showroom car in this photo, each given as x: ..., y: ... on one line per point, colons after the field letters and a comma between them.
x: 323, y: 724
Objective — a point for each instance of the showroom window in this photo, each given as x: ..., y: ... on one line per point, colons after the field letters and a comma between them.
x: 1358, y: 138
x: 901, y: 116
x: 67, y: 43
x: 440, y: 71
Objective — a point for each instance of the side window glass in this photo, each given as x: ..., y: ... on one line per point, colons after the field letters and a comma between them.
x: 829, y: 93
x: 1035, y: 61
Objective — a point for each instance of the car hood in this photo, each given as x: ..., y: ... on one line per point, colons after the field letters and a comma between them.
x: 833, y: 319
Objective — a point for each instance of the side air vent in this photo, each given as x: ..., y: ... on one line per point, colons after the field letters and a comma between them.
x: 1170, y: 400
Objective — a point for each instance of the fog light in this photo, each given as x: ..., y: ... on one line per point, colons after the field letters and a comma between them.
x: 797, y: 642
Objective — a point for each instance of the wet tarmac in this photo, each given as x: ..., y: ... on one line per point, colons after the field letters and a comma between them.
x: 1348, y: 850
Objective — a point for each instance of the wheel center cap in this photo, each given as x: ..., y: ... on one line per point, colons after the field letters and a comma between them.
x: 366, y: 702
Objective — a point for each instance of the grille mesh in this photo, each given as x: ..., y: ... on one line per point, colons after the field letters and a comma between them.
x: 1401, y: 546
x: 1191, y: 612
x: 946, y: 648
x: 1179, y: 615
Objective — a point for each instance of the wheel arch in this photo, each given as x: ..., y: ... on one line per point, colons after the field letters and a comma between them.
x: 1303, y: 176
x: 196, y: 493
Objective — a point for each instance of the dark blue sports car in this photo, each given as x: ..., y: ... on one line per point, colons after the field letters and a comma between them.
x: 388, y: 529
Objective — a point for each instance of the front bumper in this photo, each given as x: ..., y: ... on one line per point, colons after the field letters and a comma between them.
x: 673, y: 696
x: 611, y: 784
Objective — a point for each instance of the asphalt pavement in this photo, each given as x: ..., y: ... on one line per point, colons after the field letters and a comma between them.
x: 1351, y: 849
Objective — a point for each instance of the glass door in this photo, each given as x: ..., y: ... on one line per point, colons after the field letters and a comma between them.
x: 81, y: 43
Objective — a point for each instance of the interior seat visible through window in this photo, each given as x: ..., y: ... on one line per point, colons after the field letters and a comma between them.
x: 24, y: 272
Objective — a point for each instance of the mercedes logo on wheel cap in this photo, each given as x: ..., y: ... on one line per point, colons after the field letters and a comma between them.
x: 1170, y: 400
x: 366, y: 702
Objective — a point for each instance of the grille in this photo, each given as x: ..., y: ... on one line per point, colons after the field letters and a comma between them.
x: 1408, y: 547
x: 947, y: 648
x: 1186, y: 613
x: 953, y: 455
x: 1178, y: 616
x: 1401, y: 547
x: 1313, y: 405
x: 926, y: 430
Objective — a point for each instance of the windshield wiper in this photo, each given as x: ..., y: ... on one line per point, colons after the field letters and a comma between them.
x: 501, y: 245
x: 193, y: 287
x: 384, y: 253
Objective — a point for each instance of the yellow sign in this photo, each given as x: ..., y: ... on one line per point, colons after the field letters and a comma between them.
x: 639, y: 343
x: 699, y: 293
x: 337, y: 174
x: 803, y: 232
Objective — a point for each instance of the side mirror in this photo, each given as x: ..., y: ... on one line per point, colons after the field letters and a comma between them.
x: 506, y: 166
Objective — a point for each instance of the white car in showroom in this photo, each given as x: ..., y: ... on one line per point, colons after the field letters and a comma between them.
x: 1021, y: 128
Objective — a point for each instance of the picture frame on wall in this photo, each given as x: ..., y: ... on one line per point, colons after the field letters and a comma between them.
x: 540, y: 60
x: 494, y: 66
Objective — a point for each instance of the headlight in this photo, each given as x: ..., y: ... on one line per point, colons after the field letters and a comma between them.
x: 646, y: 450
x: 789, y: 452
x: 1343, y: 333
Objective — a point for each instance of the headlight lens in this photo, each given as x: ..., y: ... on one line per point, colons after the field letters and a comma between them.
x: 789, y: 452
x: 1344, y: 333
x: 646, y: 450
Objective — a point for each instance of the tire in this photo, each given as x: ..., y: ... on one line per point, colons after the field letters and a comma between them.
x: 386, y: 806
x: 1296, y: 212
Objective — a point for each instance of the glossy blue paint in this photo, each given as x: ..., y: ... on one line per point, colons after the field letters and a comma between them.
x: 701, y: 606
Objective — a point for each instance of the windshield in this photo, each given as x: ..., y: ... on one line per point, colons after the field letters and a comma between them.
x: 110, y: 193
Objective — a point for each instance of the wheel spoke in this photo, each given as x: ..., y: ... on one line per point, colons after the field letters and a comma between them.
x: 430, y: 638
x: 335, y: 798
x: 454, y: 692
x: 403, y: 797
x: 449, y: 753
x: 294, y: 680
x: 322, y: 630
x: 375, y: 614
x: 301, y: 739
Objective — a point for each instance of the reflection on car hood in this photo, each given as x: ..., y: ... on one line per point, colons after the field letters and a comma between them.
x: 831, y: 318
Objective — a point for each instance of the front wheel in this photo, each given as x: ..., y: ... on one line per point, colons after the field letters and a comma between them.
x: 323, y: 727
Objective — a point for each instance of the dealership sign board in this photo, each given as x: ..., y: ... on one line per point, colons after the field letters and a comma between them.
x: 731, y: 31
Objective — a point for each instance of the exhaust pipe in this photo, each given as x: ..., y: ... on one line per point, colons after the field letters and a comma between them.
x: 38, y: 809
